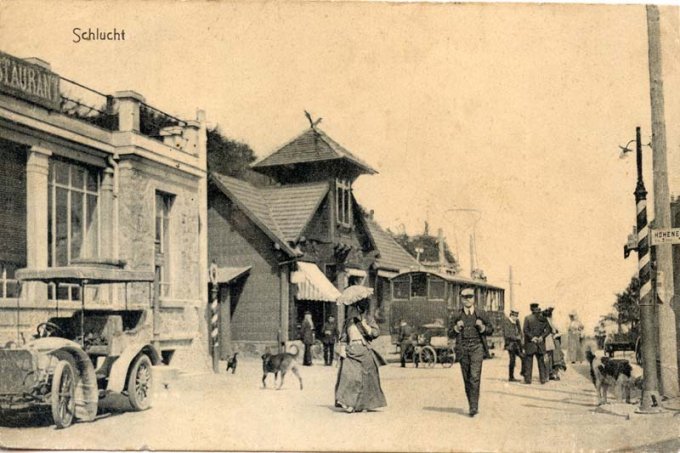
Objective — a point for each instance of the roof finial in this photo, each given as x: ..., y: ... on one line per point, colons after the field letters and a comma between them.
x: 312, y: 123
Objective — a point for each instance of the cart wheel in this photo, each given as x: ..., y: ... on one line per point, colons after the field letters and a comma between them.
x: 139, y: 383
x: 63, y: 391
x: 428, y: 356
x: 447, y: 359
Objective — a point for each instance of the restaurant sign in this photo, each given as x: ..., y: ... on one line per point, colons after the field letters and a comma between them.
x: 29, y: 82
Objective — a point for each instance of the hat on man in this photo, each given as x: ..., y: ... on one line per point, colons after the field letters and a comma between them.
x: 514, y: 313
x: 534, y: 306
x: 467, y: 292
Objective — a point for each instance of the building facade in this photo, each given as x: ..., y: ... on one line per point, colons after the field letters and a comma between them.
x: 89, y: 177
x: 292, y: 246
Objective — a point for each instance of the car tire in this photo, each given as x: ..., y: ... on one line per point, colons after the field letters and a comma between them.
x: 140, y: 383
x: 63, y: 402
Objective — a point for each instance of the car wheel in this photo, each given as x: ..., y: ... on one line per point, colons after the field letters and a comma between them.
x: 63, y: 394
x: 139, y: 384
x: 428, y: 356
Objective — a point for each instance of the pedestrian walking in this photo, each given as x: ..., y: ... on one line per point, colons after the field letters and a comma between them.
x: 406, y: 343
x: 575, y: 336
x: 330, y: 336
x: 307, y: 337
x: 358, y: 384
x: 535, y: 330
x: 512, y: 335
x: 470, y: 327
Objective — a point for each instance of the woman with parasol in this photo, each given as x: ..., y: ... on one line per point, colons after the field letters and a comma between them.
x: 358, y: 385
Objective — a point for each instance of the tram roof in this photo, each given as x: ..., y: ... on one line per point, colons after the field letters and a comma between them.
x: 451, y: 278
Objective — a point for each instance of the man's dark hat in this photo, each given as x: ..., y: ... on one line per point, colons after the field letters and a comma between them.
x: 533, y: 306
x: 514, y: 313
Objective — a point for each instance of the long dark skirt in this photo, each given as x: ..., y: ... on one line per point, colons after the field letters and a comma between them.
x: 358, y: 384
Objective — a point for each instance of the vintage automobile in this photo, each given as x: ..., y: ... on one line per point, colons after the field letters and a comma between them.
x: 74, y: 360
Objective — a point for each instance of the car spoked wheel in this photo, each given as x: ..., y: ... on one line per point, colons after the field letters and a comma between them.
x: 63, y: 391
x: 140, y: 383
x: 428, y: 356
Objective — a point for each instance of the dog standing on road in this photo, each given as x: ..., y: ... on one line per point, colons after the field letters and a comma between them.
x: 279, y: 363
x: 232, y: 363
x: 606, y: 372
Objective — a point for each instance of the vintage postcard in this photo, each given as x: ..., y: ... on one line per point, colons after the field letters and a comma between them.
x: 339, y: 226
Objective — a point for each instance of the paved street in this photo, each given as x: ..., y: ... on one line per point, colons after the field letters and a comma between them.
x: 427, y: 412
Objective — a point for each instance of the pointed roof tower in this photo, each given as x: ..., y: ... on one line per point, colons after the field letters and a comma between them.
x: 312, y: 156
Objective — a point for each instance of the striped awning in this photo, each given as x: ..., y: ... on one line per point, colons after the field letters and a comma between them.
x: 312, y: 284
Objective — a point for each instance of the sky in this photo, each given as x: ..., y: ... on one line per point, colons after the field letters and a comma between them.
x: 498, y: 120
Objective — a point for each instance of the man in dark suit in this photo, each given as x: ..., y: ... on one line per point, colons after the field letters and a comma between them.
x: 406, y: 343
x: 536, y: 328
x: 470, y: 326
x: 512, y: 335
x: 330, y: 337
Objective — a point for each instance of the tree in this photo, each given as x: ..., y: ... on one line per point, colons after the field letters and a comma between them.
x: 226, y: 156
x: 627, y: 304
x: 429, y: 245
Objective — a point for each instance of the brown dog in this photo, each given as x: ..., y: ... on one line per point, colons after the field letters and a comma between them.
x: 279, y: 363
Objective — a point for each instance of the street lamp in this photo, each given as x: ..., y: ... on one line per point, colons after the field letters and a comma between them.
x: 649, y: 403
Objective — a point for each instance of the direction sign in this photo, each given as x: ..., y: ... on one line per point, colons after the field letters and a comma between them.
x: 669, y: 236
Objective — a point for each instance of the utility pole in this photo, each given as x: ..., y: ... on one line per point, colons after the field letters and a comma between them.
x: 662, y: 215
x: 512, y: 299
x: 649, y: 403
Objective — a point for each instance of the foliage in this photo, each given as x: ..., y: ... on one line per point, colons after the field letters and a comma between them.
x: 627, y: 303
x: 226, y: 156
x: 429, y: 245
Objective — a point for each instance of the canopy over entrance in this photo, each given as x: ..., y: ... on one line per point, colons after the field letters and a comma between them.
x: 312, y: 284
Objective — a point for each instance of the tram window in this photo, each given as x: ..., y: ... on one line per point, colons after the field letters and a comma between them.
x: 419, y: 285
x: 402, y: 288
x: 437, y: 288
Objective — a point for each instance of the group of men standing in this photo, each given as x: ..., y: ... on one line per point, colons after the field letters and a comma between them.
x: 529, y: 342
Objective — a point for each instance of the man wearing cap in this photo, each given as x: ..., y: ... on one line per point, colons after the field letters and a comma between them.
x: 512, y: 334
x: 536, y: 328
x: 470, y: 327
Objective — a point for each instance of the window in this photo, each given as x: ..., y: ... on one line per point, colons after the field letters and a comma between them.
x: 419, y: 285
x: 162, y: 241
x: 402, y: 288
x: 437, y: 288
x: 343, y: 202
x: 9, y: 288
x: 72, y: 218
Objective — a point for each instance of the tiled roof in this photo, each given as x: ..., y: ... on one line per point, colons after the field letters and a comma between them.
x: 391, y: 254
x: 281, y: 211
x: 313, y: 145
x: 292, y: 206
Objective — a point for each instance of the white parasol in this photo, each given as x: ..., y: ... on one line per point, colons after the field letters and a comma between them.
x: 354, y: 294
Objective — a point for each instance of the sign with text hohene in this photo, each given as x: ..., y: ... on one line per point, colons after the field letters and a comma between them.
x: 28, y: 81
x: 669, y: 236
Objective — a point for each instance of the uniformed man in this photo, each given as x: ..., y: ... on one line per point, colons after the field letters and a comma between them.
x: 512, y: 334
x: 536, y: 328
x: 470, y: 327
x: 406, y: 343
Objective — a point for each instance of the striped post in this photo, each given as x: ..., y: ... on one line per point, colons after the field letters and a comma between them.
x: 649, y: 402
x: 214, y: 319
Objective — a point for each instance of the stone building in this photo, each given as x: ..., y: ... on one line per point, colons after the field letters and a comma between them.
x: 89, y: 177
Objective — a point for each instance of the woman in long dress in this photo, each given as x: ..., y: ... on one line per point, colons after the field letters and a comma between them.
x: 575, y: 351
x: 358, y: 385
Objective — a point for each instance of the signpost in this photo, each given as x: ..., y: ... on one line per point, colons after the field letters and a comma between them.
x: 666, y: 236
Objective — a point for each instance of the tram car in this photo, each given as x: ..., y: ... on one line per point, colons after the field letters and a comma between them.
x: 424, y: 297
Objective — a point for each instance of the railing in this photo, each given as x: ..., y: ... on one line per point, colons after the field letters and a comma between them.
x: 86, y: 104
x: 152, y: 120
x: 99, y: 109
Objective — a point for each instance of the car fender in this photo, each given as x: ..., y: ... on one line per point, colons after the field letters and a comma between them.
x: 119, y: 369
x: 86, y: 393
